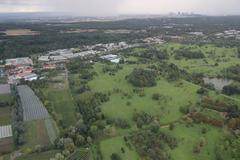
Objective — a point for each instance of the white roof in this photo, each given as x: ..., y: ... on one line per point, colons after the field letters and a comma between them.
x: 57, y: 58
x: 5, y: 131
x: 43, y: 58
x: 29, y: 76
x: 19, y: 61
x: 115, y: 60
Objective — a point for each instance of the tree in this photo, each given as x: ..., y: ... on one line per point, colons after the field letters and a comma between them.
x: 142, y: 78
x: 233, y: 88
x: 238, y: 52
x: 171, y: 126
x: 156, y: 96
x: 115, y: 156
x: 80, y: 140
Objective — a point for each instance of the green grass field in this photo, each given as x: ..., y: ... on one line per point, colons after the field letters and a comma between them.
x: 63, y: 104
x: 176, y: 94
x: 224, y: 57
x: 166, y: 109
x: 114, y: 145
x: 190, y: 136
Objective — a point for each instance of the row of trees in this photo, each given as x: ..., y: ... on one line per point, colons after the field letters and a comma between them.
x: 18, y: 125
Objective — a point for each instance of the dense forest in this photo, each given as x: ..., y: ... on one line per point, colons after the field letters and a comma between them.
x: 53, y: 35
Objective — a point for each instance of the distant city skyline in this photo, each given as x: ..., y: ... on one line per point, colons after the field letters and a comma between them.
x: 117, y: 7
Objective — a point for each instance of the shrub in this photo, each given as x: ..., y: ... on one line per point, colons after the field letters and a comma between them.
x: 142, y: 78
x: 156, y: 96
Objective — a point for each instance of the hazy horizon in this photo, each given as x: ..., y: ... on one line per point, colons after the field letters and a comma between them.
x: 121, y: 7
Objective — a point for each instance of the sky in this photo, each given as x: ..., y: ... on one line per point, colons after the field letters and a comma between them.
x: 117, y: 7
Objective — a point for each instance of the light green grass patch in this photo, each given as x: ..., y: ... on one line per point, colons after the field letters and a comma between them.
x: 189, y: 136
x: 114, y: 145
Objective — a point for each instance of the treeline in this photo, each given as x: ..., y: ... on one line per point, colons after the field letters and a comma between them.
x: 148, y: 52
x: 18, y: 125
x: 233, y: 72
x: 188, y: 53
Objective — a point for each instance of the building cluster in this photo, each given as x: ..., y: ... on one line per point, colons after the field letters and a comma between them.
x: 19, y: 68
x: 153, y: 40
x: 196, y: 33
x: 109, y: 46
x: 229, y: 34
x: 63, y: 55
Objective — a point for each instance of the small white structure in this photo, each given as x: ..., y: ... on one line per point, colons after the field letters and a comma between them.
x: 30, y: 77
x: 196, y: 33
x: 44, y: 58
x: 5, y: 131
x: 111, y: 57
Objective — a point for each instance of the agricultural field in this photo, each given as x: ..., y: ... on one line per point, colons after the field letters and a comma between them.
x: 36, y: 133
x: 20, y: 32
x: 5, y: 116
x: 39, y: 156
x: 40, y: 129
x: 6, y: 139
x: 33, y: 108
x: 80, y: 154
x: 6, y: 109
x: 6, y: 145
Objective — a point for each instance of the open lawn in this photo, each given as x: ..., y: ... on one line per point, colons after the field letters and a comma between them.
x: 114, y: 145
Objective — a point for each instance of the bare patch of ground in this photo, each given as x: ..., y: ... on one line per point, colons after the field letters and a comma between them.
x: 20, y: 32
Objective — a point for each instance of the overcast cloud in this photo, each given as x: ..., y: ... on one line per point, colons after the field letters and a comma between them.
x: 115, y: 7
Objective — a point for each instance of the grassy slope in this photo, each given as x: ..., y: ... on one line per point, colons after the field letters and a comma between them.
x: 116, y: 107
x: 178, y: 95
x: 190, y: 136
